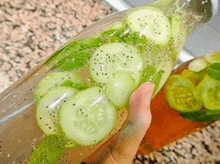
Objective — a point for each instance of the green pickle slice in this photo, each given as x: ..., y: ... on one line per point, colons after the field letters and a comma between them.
x: 181, y: 94
x: 209, y: 90
x: 213, y: 58
x: 194, y: 77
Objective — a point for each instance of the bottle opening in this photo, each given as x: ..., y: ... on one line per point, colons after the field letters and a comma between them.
x: 215, y: 7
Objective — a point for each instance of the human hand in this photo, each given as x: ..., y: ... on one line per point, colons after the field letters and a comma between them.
x: 124, y: 147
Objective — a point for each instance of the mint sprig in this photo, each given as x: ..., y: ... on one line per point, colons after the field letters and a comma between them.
x: 214, y: 71
x: 201, y: 116
x: 74, y: 55
x: 48, y: 150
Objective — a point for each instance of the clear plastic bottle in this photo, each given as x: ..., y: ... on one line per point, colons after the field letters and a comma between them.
x: 132, y: 47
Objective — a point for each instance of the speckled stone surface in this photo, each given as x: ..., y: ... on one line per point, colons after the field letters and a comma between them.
x: 32, y: 30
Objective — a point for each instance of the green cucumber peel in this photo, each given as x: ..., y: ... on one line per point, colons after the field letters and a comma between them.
x: 201, y: 116
x: 49, y: 150
x: 214, y: 71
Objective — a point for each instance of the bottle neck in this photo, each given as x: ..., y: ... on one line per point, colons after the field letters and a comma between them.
x: 215, y: 7
x: 206, y: 8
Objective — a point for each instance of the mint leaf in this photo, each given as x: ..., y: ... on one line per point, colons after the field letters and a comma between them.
x: 80, y: 86
x: 76, y: 86
x: 151, y: 74
x: 156, y: 80
x: 212, y: 112
x: 214, y: 71
x: 148, y: 74
x: 201, y: 116
x: 67, y: 84
x: 48, y: 150
x: 73, y: 60
x: 111, y: 36
x: 134, y: 38
x: 74, y: 55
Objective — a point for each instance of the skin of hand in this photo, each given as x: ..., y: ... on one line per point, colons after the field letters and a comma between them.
x: 122, y: 149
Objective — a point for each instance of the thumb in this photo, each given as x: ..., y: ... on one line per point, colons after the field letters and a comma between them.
x: 139, y: 108
x: 124, y: 147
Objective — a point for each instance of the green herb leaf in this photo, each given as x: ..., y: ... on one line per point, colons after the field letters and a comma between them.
x: 48, y: 150
x: 212, y: 112
x: 72, y: 61
x: 80, y: 86
x: 156, y: 80
x: 148, y: 74
x: 74, y: 55
x: 76, y: 86
x: 201, y: 116
x: 151, y: 74
x: 111, y: 35
x: 67, y: 84
x: 214, y: 71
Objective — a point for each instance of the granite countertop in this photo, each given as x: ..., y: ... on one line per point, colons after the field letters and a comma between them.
x: 32, y: 30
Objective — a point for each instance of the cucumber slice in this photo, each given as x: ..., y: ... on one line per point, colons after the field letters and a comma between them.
x: 119, y: 89
x: 209, y: 89
x: 213, y: 58
x: 194, y: 77
x: 55, y: 79
x: 197, y: 65
x: 115, y: 57
x: 181, y: 94
x: 150, y: 22
x: 88, y: 117
x: 48, y: 109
